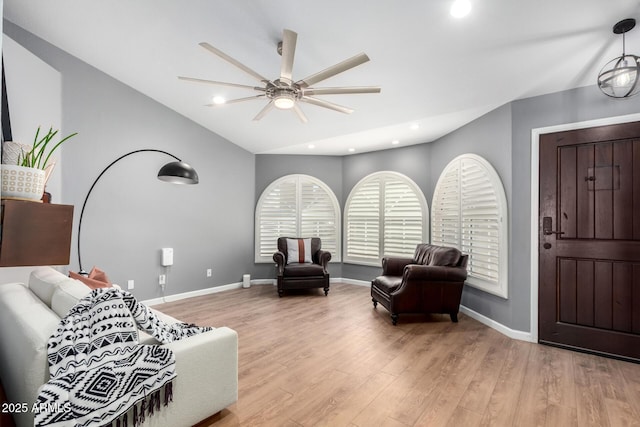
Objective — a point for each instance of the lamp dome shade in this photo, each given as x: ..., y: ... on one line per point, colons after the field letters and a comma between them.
x: 178, y: 173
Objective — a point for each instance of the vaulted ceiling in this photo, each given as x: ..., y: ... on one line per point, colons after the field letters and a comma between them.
x: 436, y: 72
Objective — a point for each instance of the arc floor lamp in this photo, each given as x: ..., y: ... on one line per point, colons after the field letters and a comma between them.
x: 177, y: 172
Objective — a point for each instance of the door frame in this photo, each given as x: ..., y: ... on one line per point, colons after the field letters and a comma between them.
x: 535, y: 189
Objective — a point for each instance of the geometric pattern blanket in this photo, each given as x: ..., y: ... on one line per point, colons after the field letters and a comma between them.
x: 98, y: 371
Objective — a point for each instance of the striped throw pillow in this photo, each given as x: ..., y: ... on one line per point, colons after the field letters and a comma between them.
x: 298, y: 251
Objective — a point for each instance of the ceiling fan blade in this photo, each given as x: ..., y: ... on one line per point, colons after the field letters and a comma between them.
x: 300, y: 113
x: 212, y: 82
x: 333, y: 70
x: 232, y: 61
x: 264, y: 111
x: 233, y: 101
x: 340, y: 90
x: 326, y: 104
x: 289, y: 39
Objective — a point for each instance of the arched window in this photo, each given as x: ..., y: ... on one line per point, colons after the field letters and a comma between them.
x: 297, y: 206
x: 385, y: 214
x: 469, y: 212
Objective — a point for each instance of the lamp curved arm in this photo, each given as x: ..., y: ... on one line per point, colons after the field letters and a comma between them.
x: 98, y: 179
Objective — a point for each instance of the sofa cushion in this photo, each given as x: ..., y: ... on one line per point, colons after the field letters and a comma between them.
x: 444, y: 256
x: 67, y: 294
x: 43, y: 281
x: 303, y: 270
x: 298, y: 251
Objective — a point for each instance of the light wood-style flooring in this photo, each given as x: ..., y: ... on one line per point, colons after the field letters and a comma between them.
x: 310, y: 360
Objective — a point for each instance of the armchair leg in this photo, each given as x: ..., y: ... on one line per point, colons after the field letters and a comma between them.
x: 394, y: 319
x: 375, y: 303
x: 280, y: 293
x: 326, y: 291
x: 454, y: 317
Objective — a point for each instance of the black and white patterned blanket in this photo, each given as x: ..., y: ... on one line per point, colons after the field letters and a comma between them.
x: 98, y: 371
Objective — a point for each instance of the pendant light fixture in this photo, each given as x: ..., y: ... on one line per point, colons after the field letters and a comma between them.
x: 619, y: 77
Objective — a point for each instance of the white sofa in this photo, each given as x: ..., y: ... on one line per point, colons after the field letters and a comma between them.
x: 206, y: 364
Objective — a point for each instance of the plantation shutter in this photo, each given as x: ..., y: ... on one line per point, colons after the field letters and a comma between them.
x: 278, y: 217
x: 363, y: 222
x: 445, y: 222
x: 402, y: 218
x: 297, y: 206
x: 386, y: 215
x: 318, y: 217
x: 480, y: 221
x: 469, y: 213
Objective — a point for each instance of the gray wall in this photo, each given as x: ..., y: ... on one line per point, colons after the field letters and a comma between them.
x: 327, y: 169
x: 131, y: 215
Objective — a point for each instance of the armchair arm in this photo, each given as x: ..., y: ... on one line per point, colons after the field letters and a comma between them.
x: 394, y: 266
x: 434, y: 273
x: 278, y: 257
x: 322, y: 258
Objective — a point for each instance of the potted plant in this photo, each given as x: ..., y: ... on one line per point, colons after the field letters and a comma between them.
x: 26, y: 179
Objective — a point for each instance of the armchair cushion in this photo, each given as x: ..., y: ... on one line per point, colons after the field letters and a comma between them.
x: 446, y: 257
x: 388, y: 284
x: 298, y: 251
x: 303, y: 270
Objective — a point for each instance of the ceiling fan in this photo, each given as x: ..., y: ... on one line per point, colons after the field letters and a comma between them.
x: 283, y: 93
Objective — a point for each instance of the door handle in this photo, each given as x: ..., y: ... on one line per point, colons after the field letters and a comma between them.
x: 547, y: 226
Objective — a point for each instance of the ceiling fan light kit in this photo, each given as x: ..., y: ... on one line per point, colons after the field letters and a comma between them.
x: 284, y: 100
x: 619, y: 77
x: 285, y: 94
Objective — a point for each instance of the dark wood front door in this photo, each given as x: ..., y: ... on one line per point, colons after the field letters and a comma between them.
x: 589, y: 240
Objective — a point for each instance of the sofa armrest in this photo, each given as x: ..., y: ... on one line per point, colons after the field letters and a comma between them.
x: 434, y: 273
x: 279, y: 259
x: 207, y: 378
x: 394, y: 266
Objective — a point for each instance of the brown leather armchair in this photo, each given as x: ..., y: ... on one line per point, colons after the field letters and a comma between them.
x: 430, y: 282
x: 302, y: 275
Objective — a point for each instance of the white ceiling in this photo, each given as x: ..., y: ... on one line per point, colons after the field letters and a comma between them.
x: 435, y: 71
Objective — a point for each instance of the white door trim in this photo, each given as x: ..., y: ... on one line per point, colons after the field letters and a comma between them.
x: 535, y: 188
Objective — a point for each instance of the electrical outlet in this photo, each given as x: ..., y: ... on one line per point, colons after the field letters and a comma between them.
x: 209, y: 272
x: 162, y: 279
x: 130, y: 284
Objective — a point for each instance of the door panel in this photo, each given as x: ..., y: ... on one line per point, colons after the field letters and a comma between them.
x: 589, y: 247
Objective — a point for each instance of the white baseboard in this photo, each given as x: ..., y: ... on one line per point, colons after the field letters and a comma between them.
x: 207, y: 291
x: 511, y: 333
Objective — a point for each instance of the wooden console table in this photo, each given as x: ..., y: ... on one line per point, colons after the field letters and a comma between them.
x: 35, y: 233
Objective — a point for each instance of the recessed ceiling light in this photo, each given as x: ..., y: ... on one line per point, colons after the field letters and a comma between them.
x: 395, y: 142
x: 311, y: 146
x: 415, y: 126
x: 218, y: 100
x: 460, y: 8
x: 351, y: 150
